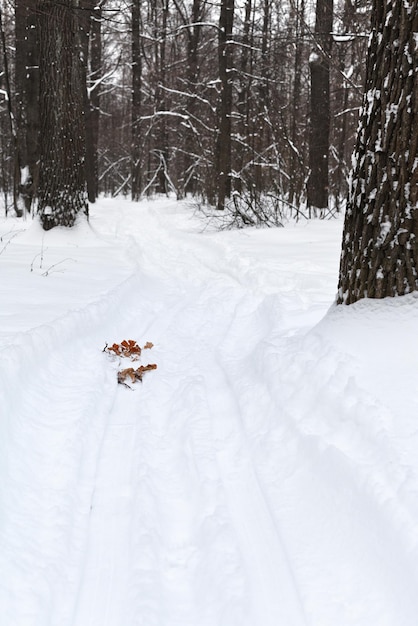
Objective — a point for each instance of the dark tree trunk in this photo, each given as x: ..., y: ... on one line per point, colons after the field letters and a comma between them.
x: 136, y: 99
x: 193, y: 37
x: 296, y: 164
x: 318, y: 186
x: 244, y: 93
x: 62, y: 189
x: 11, y: 116
x: 161, y: 104
x: 380, y: 250
x: 264, y: 100
x: 27, y: 99
x: 223, y: 149
x: 346, y: 58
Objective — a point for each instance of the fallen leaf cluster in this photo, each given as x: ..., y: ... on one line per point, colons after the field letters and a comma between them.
x: 129, y: 349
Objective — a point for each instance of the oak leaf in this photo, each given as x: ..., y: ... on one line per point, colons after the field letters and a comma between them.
x: 133, y: 374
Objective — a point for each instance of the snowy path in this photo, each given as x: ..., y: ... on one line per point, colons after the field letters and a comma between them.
x: 244, y: 483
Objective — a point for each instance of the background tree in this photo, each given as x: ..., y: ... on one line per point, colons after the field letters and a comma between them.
x: 165, y: 80
x: 223, y: 143
x: 380, y: 242
x: 27, y: 99
x: 320, y: 114
x: 11, y: 116
x: 90, y: 23
x: 136, y: 99
x: 62, y: 189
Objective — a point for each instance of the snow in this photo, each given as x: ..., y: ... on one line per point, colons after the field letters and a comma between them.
x: 266, y: 473
x: 24, y: 175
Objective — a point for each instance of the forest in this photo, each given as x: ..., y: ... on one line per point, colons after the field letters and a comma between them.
x: 248, y: 105
x: 204, y: 426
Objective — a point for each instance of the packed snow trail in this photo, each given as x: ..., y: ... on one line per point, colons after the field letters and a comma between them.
x: 251, y: 480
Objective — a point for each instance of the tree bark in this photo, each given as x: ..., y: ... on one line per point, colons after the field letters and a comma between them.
x: 296, y: 165
x: 193, y: 37
x: 136, y: 99
x: 161, y: 104
x: 62, y: 189
x: 244, y: 94
x: 90, y: 19
x: 27, y: 99
x: 11, y: 116
x: 318, y: 185
x: 380, y: 244
x: 223, y: 149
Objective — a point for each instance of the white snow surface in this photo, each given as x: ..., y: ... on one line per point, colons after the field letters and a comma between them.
x: 266, y: 474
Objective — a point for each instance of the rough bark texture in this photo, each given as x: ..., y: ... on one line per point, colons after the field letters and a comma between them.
x: 318, y: 186
x: 380, y: 250
x: 62, y: 190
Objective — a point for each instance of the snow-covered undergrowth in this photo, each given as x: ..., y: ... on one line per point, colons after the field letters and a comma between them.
x: 266, y: 473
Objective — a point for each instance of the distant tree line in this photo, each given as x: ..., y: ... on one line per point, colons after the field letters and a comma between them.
x: 227, y: 103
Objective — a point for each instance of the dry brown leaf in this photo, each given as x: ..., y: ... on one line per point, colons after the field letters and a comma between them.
x: 135, y: 375
x: 127, y: 348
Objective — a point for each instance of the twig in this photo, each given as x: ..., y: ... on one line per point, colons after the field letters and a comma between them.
x: 55, y: 265
x: 9, y: 240
x: 41, y: 254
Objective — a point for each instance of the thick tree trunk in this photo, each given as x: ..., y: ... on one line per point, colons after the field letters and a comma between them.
x: 318, y: 186
x: 380, y: 243
x: 223, y: 148
x: 62, y: 190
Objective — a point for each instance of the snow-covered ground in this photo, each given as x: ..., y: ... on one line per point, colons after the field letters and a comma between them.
x: 266, y: 474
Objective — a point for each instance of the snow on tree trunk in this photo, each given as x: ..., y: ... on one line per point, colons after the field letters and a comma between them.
x: 380, y: 251
x: 223, y: 145
x: 62, y: 189
x: 90, y: 22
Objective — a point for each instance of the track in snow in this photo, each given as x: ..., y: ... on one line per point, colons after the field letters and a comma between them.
x: 222, y: 491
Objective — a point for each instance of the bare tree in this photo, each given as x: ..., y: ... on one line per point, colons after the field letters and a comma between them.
x: 380, y: 250
x: 11, y: 116
x: 90, y: 21
x: 26, y: 98
x: 62, y: 189
x: 198, y: 98
x: 318, y: 184
x: 136, y: 99
x: 223, y: 147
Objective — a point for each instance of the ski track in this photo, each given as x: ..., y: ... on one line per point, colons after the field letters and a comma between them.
x: 188, y: 501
